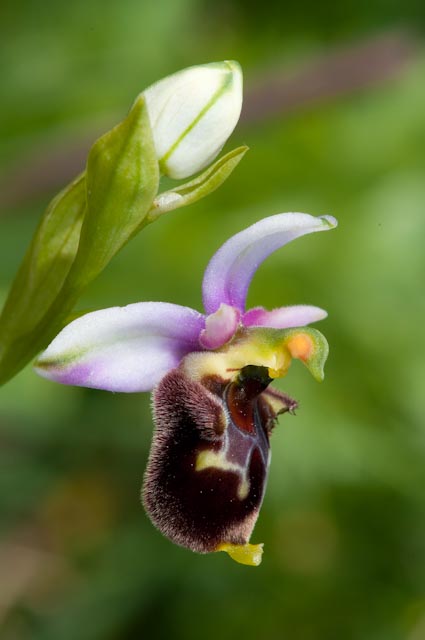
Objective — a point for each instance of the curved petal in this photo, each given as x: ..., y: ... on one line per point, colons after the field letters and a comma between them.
x: 229, y: 272
x: 122, y: 348
x: 283, y: 317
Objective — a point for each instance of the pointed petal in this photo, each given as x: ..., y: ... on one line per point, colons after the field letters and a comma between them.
x: 220, y: 327
x: 122, y: 348
x: 283, y: 317
x: 229, y: 273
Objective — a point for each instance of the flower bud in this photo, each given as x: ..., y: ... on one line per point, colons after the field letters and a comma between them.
x: 192, y: 113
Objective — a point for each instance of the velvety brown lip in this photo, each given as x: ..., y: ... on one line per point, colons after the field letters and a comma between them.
x: 208, y: 465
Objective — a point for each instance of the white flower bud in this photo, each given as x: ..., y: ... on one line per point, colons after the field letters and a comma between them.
x: 192, y: 113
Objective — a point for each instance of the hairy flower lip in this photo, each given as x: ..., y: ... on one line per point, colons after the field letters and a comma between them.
x: 208, y: 466
x: 204, y: 487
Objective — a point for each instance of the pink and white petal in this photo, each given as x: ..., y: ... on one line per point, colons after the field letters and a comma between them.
x: 230, y: 271
x: 122, y: 348
x: 283, y: 317
x: 220, y: 327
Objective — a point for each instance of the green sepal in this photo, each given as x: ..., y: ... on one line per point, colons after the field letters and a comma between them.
x: 41, y: 276
x: 83, y: 228
x: 201, y: 186
x: 122, y: 181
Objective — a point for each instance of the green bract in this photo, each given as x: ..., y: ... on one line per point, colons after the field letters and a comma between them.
x: 204, y: 184
x: 122, y: 180
x: 40, y: 277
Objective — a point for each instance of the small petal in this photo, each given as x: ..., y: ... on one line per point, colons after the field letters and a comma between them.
x: 283, y: 317
x: 220, y: 327
x: 122, y: 348
x: 230, y: 271
x: 192, y: 113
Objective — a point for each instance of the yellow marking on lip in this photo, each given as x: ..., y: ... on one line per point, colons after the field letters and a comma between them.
x: 210, y: 459
x: 249, y: 554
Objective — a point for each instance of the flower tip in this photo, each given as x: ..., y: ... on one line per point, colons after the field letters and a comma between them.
x: 56, y: 370
x: 249, y: 554
x: 330, y: 221
x: 318, y: 373
x: 311, y: 347
x: 230, y: 66
x: 46, y: 366
x: 41, y: 367
x: 233, y: 64
x: 234, y: 67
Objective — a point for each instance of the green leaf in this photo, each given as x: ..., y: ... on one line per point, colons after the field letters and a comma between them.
x: 122, y: 182
x: 201, y: 186
x: 84, y: 227
x: 41, y: 275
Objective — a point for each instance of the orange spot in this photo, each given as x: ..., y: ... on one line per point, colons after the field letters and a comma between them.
x: 300, y: 346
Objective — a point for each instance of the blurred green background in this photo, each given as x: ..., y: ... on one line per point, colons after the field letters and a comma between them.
x: 335, y: 119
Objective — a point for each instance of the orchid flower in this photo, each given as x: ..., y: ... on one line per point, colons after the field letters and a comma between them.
x: 210, y: 375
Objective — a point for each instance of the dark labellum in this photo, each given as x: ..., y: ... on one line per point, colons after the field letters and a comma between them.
x: 208, y: 464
